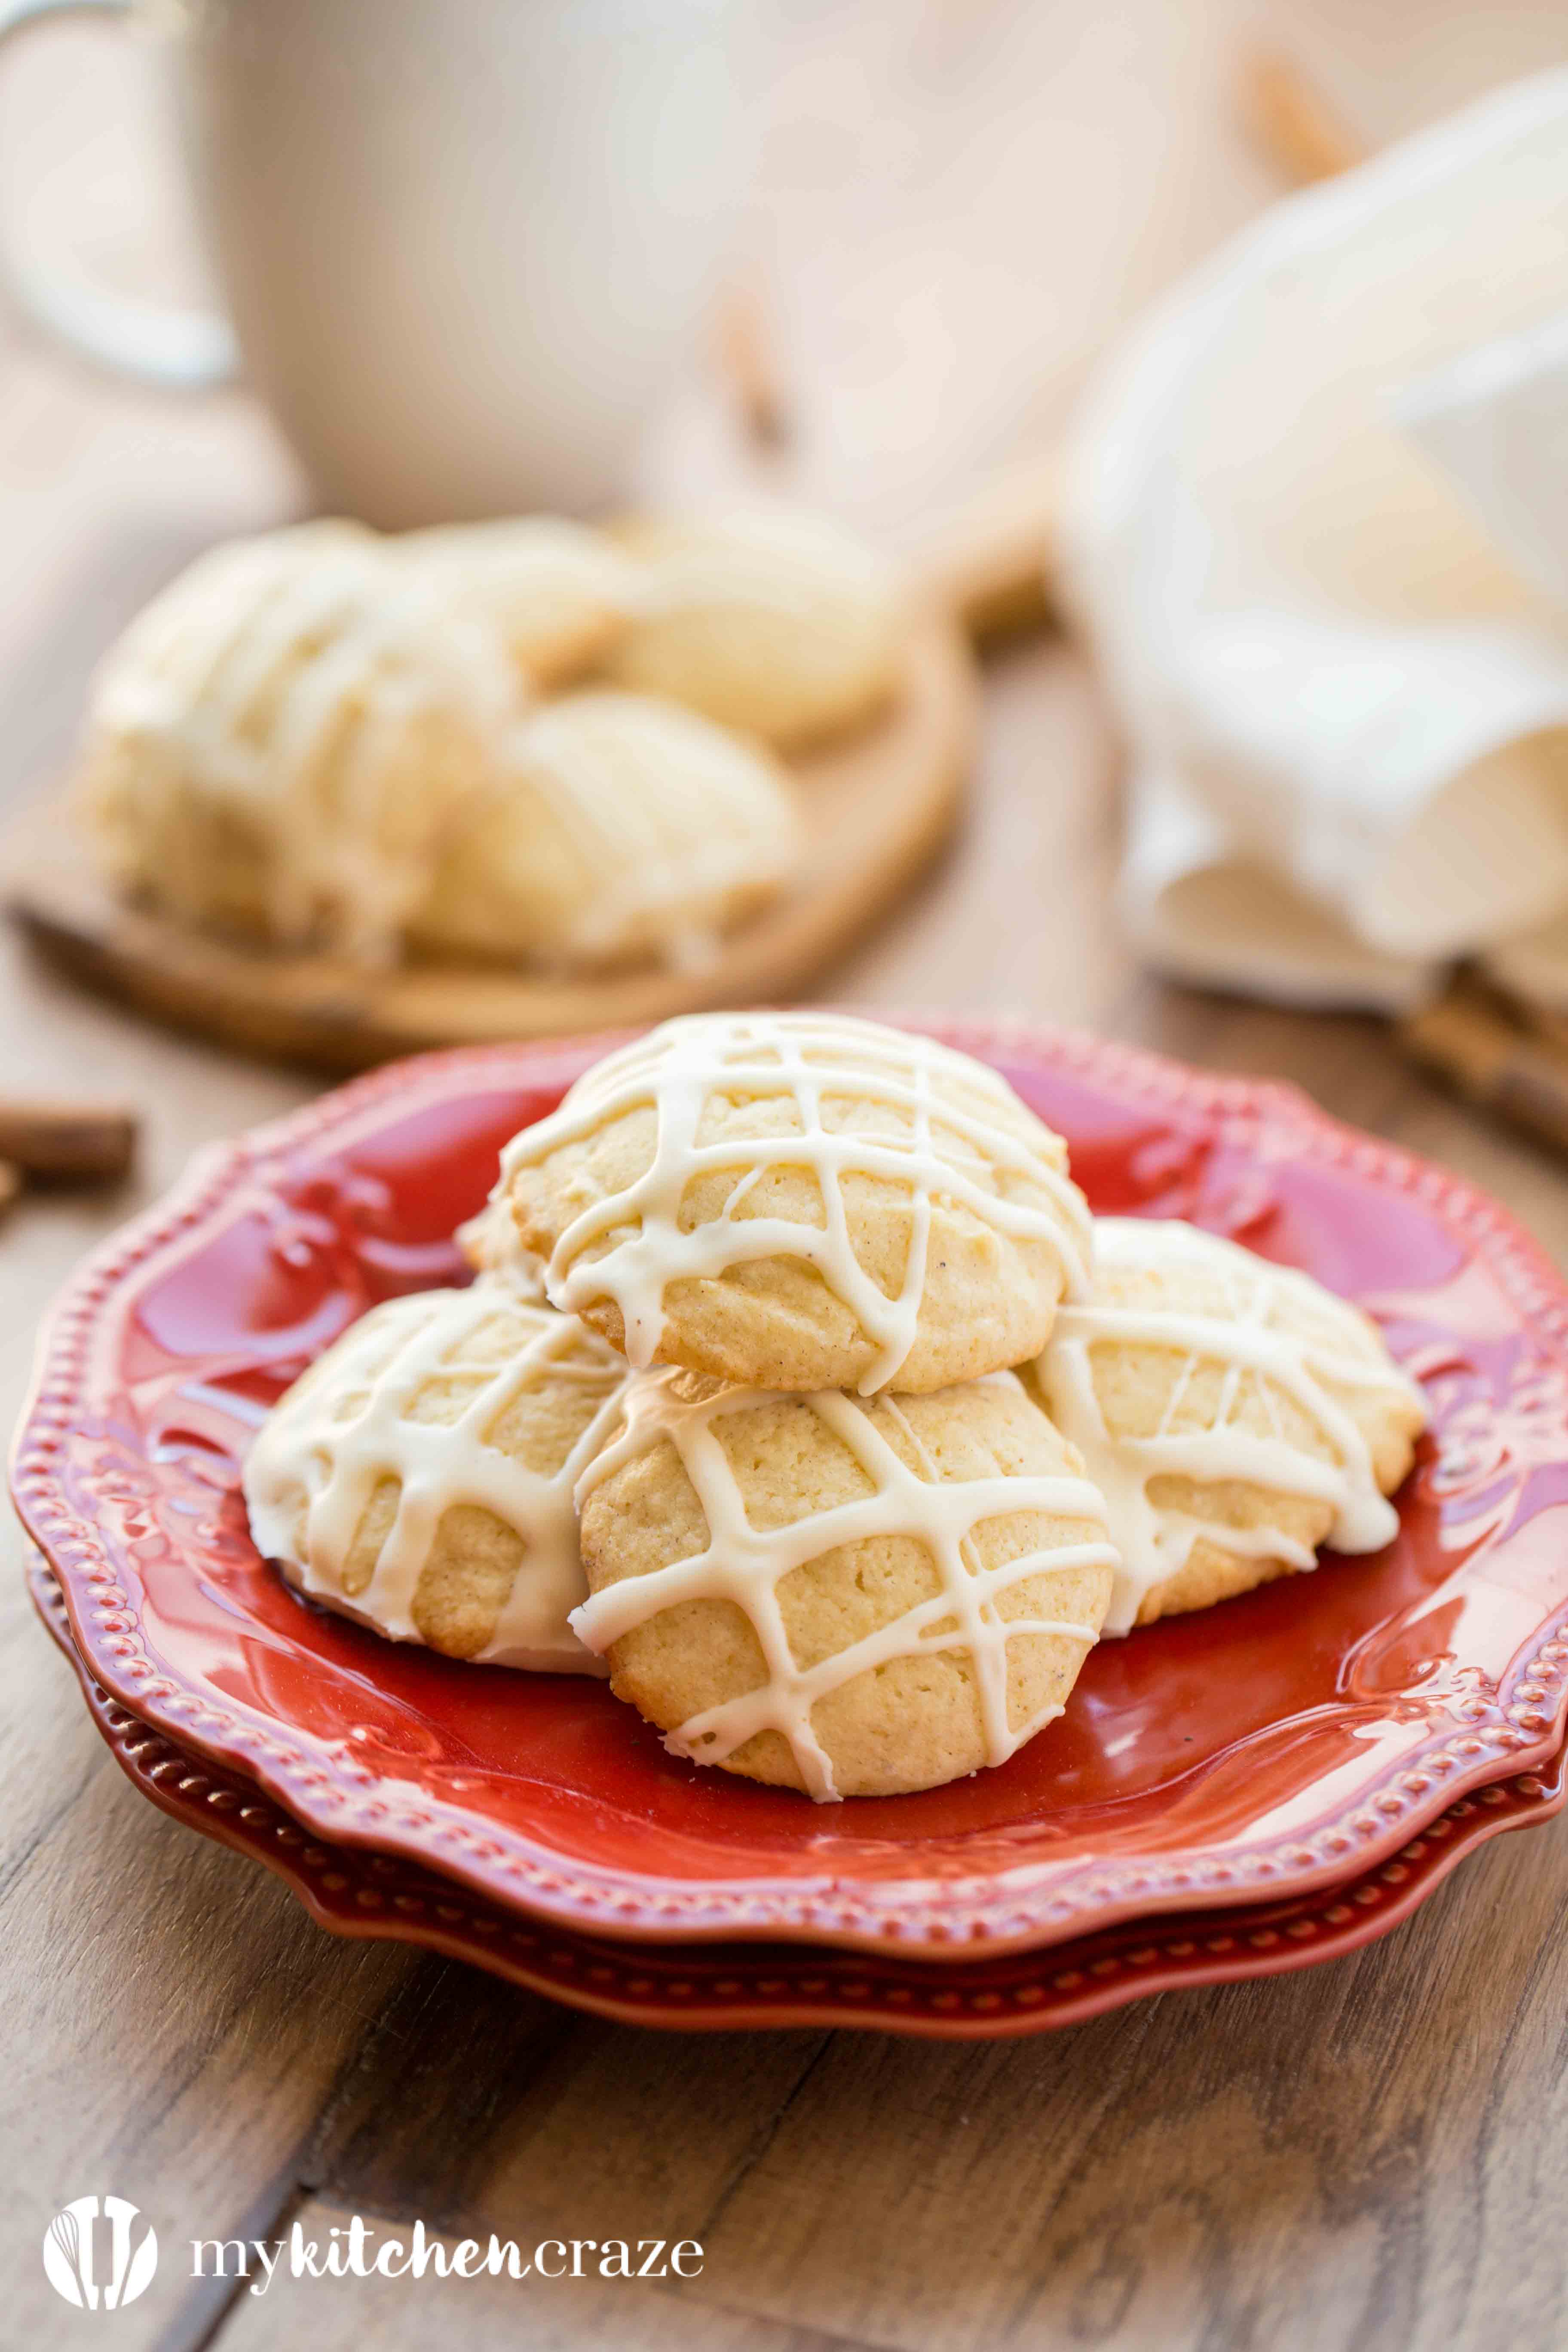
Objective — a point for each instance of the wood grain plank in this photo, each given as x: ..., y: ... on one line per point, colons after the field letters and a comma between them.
x: 1293, y: 2165
x: 174, y: 2024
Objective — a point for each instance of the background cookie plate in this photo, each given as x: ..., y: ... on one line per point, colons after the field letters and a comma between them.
x: 878, y: 805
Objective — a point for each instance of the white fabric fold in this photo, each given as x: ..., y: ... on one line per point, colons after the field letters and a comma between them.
x: 1309, y: 527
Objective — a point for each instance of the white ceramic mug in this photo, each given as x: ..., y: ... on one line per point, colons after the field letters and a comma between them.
x: 463, y: 243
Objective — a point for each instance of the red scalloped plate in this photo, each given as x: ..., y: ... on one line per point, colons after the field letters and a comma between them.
x: 1256, y: 1751
x: 707, y: 1987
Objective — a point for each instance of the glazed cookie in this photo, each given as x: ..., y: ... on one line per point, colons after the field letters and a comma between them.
x: 1235, y: 1414
x: 278, y: 744
x: 491, y: 1243
x: 620, y: 829
x: 849, y: 1598
x: 775, y: 623
x: 801, y: 1201
x: 559, y: 593
x: 419, y: 1476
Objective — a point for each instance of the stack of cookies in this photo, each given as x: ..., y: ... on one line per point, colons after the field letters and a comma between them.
x: 836, y: 1545
x: 789, y: 1388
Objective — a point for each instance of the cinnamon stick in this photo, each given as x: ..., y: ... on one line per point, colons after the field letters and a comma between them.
x: 1465, y: 1039
x: 66, y: 1140
x: 993, y: 562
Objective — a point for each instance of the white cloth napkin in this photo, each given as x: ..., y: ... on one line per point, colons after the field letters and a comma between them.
x: 1317, y: 524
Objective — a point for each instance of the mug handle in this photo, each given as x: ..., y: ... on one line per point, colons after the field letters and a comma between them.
x: 180, y: 350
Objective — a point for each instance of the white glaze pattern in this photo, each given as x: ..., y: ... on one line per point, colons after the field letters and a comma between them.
x: 810, y: 1057
x: 276, y: 676
x: 305, y: 1451
x: 745, y: 1565
x: 667, y: 816
x: 1299, y: 1340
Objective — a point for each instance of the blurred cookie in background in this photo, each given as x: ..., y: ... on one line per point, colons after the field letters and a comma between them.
x: 773, y: 621
x: 616, y: 828
x: 277, y: 745
x: 559, y: 593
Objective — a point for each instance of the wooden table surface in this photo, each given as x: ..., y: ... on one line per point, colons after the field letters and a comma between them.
x: 958, y: 203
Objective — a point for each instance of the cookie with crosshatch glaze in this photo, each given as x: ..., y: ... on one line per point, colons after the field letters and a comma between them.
x: 279, y: 744
x: 419, y: 1476
x: 616, y: 829
x: 849, y: 1596
x: 801, y: 1201
x: 1235, y: 1414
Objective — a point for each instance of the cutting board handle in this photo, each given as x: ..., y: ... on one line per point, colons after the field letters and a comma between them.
x: 992, y: 563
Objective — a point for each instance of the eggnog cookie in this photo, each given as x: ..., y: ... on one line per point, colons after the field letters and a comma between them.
x: 420, y: 1477
x: 801, y: 1201
x: 491, y: 1243
x: 620, y: 829
x: 559, y: 593
x: 278, y: 744
x: 775, y: 623
x: 1235, y: 1414
x: 847, y: 1597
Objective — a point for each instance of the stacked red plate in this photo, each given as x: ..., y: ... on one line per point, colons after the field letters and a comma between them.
x: 1250, y: 1788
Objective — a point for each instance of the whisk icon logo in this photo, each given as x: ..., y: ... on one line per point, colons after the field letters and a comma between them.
x: 100, y: 2253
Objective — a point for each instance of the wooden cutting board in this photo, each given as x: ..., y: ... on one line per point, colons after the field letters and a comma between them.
x: 878, y: 807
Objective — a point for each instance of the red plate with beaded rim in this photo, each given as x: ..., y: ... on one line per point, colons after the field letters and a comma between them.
x: 355, y: 1893
x: 1250, y: 1753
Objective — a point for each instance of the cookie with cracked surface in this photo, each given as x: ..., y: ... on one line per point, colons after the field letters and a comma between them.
x: 420, y: 1477
x: 801, y: 1201
x: 618, y: 830
x: 278, y: 744
x: 1235, y: 1414
x: 846, y: 1596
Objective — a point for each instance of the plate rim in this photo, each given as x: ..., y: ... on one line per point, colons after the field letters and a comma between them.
x: 992, y: 1911
x: 940, y: 2002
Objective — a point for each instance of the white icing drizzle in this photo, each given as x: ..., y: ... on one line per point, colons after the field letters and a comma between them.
x: 745, y: 1565
x: 811, y: 1058
x: 275, y: 675
x: 1299, y: 1339
x: 335, y: 1464
x: 666, y: 812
